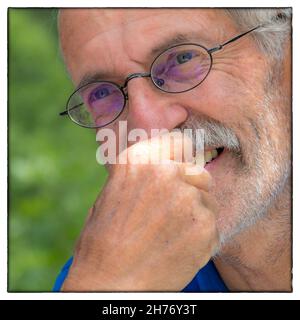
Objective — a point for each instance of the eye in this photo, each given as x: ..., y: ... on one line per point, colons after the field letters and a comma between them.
x: 184, y: 57
x: 98, y: 93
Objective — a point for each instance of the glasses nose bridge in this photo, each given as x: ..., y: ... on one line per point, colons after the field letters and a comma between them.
x: 133, y: 76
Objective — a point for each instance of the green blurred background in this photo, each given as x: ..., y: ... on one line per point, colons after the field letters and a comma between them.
x: 53, y: 174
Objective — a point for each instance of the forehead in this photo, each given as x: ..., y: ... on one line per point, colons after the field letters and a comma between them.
x: 96, y: 38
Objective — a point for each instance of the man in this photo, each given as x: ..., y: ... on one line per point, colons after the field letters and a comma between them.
x: 153, y: 227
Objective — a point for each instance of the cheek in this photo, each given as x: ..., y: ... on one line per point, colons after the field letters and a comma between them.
x: 218, y: 98
x: 229, y: 93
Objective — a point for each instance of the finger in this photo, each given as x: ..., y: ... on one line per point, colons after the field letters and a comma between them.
x: 175, y: 146
x: 201, y: 179
x: 172, y: 146
x: 163, y: 148
x: 209, y: 202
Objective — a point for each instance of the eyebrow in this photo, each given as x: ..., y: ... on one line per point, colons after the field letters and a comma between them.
x: 178, y: 38
x: 173, y: 40
x: 92, y: 77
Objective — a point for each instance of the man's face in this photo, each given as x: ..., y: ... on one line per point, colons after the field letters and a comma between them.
x: 241, y: 94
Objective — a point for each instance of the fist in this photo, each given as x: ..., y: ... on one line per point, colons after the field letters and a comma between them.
x: 151, y: 228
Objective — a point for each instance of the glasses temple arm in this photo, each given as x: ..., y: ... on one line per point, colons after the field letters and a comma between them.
x: 220, y: 46
x: 64, y: 113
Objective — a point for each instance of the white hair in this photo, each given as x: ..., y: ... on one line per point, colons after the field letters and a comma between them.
x: 275, y: 27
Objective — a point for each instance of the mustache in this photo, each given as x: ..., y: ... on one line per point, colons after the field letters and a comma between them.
x: 216, y: 134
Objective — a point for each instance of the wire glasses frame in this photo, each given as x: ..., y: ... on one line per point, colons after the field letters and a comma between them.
x: 117, y: 95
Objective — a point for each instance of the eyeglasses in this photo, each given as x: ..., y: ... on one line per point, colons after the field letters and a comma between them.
x: 178, y: 69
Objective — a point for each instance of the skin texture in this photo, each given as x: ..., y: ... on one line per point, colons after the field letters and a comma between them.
x: 249, y: 196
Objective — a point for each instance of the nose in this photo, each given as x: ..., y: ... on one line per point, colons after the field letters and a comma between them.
x: 149, y: 108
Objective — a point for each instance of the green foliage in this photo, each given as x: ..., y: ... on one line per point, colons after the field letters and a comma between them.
x: 53, y: 174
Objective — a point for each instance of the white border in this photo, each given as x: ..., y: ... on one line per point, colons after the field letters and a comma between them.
x: 142, y: 296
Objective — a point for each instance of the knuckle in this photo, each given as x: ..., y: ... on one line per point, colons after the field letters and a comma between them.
x: 208, y: 224
x: 186, y: 198
x: 164, y: 173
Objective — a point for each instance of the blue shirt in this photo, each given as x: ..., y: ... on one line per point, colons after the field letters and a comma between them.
x: 206, y: 280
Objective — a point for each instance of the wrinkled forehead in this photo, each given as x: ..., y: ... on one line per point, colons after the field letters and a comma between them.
x: 103, y: 33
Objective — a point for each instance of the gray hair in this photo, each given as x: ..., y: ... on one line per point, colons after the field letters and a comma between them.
x: 276, y: 27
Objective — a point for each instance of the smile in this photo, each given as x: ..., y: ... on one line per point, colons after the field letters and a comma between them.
x: 211, y: 155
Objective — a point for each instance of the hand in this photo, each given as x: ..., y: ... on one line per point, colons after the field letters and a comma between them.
x: 151, y: 229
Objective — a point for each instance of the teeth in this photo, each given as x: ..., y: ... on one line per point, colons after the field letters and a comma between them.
x: 207, y: 156
x: 214, y: 153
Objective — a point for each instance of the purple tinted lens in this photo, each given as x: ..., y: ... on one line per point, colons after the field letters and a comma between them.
x: 102, y: 102
x: 181, y: 68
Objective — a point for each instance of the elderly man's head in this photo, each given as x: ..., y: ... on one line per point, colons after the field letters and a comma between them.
x: 244, y: 104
